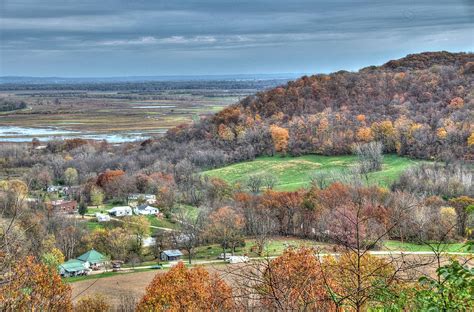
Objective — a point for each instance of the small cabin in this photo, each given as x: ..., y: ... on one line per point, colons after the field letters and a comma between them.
x: 171, y: 255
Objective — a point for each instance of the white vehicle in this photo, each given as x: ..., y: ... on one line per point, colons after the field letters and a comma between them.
x: 238, y: 259
x: 221, y: 256
x: 102, y: 217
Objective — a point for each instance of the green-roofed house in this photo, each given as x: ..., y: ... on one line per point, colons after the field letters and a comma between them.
x: 72, y: 267
x: 92, y: 259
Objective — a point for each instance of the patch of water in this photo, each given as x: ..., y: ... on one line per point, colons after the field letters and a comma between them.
x: 26, y: 134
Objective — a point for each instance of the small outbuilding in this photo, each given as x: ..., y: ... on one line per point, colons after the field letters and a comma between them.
x: 171, y: 255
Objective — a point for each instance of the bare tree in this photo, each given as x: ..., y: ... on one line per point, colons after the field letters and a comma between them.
x: 269, y: 181
x: 254, y: 183
x: 370, y: 156
x: 189, y: 235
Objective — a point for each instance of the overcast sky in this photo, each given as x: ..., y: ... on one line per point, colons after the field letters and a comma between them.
x: 92, y: 38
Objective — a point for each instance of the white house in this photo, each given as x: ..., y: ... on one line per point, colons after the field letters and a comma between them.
x: 102, y: 217
x: 54, y: 188
x: 120, y: 211
x: 148, y: 198
x: 146, y: 210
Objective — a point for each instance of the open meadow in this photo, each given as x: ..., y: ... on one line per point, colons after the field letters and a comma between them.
x: 293, y: 173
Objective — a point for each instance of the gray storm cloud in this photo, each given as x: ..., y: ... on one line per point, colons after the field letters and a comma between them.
x: 148, y: 37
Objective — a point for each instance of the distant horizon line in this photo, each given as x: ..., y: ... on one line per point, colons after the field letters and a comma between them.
x: 154, y: 76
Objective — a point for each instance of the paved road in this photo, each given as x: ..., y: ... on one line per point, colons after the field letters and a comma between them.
x: 375, y: 253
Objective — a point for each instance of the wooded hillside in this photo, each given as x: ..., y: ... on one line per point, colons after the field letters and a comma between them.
x: 419, y: 106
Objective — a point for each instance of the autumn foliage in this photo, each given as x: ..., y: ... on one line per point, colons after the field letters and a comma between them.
x: 401, y: 104
x: 355, y: 279
x: 92, y: 304
x: 295, y: 282
x: 183, y: 289
x: 280, y: 138
x: 108, y: 176
x: 34, y: 287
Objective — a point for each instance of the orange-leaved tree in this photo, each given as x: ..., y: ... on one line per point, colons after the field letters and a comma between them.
x: 280, y: 137
x: 294, y: 282
x: 226, y: 227
x: 183, y: 289
x: 33, y: 286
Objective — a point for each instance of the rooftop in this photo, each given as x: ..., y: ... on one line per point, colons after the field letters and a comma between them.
x: 92, y: 256
x: 173, y: 253
x: 72, y: 265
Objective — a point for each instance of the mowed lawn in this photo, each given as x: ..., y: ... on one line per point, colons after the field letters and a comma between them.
x: 295, y: 172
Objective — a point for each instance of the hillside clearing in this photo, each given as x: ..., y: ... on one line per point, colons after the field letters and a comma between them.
x: 295, y: 172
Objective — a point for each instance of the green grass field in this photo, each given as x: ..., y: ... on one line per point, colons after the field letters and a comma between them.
x: 295, y: 172
x: 397, y: 245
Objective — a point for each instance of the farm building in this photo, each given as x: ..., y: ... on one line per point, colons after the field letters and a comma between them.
x: 170, y: 255
x: 146, y: 210
x: 63, y: 206
x: 120, y: 211
x: 92, y: 259
x: 72, y: 267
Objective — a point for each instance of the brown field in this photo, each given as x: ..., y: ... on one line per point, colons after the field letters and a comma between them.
x: 119, y: 285
x: 114, y: 287
x: 134, y: 284
x: 111, y: 113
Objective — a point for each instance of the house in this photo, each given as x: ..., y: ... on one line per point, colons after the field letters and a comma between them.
x: 120, y: 211
x: 102, y: 217
x: 53, y: 188
x: 64, y: 206
x: 72, y: 267
x: 71, y: 191
x: 170, y: 255
x: 146, y: 210
x: 148, y: 198
x: 64, y: 190
x: 92, y: 259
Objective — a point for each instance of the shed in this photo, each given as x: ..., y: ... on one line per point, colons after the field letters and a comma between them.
x: 170, y: 255
x: 72, y: 267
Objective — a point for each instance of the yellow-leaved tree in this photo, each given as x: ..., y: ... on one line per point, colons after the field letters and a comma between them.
x: 280, y: 137
x: 33, y: 286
